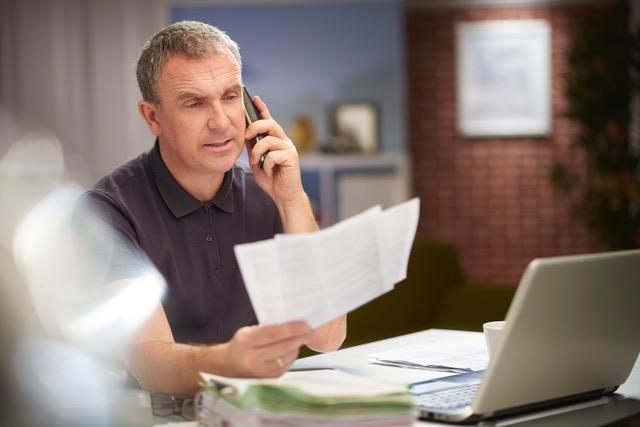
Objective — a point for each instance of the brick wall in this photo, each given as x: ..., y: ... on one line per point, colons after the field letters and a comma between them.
x: 490, y: 197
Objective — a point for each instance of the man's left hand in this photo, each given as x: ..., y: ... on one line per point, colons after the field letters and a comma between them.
x: 280, y: 175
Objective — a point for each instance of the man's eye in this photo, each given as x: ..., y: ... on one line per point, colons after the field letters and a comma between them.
x: 230, y: 97
x: 193, y: 104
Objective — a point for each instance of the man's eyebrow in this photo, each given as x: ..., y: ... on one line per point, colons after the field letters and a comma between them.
x: 235, y: 87
x: 187, y: 95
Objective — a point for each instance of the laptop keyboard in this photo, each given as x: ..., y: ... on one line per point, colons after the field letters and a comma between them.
x: 448, y: 398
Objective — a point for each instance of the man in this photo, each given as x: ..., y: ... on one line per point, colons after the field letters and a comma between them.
x: 186, y: 205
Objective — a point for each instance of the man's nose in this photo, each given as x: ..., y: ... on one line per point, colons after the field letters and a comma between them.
x: 218, y: 118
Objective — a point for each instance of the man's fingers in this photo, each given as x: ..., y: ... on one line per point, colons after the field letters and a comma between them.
x: 273, y: 159
x: 280, y: 345
x: 264, y: 127
x: 270, y: 334
x: 262, y: 107
x: 267, y: 350
x: 267, y: 144
x: 279, y: 365
x: 280, y: 348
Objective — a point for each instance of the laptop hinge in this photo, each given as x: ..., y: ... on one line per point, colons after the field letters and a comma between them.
x: 553, y: 403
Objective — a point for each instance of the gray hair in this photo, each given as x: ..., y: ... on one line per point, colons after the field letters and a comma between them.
x: 192, y: 38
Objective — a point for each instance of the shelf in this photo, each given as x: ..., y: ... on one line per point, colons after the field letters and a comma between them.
x: 341, y: 185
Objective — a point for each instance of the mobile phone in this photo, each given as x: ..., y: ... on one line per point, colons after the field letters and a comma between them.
x: 251, y: 114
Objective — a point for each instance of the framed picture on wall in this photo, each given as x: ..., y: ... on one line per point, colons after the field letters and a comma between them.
x: 503, y: 78
x: 355, y: 127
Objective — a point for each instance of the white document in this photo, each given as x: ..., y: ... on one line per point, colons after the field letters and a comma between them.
x: 440, y: 351
x: 318, y: 276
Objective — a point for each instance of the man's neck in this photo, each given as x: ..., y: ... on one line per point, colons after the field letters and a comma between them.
x: 203, y: 187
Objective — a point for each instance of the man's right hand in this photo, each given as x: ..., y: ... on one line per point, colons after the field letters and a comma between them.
x: 162, y: 365
x: 265, y: 351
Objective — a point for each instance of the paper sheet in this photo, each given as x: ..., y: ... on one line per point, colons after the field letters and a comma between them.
x: 318, y: 276
x: 440, y: 351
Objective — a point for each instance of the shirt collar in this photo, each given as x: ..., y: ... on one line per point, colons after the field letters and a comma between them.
x: 179, y: 201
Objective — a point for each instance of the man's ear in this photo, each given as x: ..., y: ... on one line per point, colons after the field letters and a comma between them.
x: 149, y: 113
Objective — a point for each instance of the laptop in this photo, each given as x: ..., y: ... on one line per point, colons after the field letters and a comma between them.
x: 571, y: 334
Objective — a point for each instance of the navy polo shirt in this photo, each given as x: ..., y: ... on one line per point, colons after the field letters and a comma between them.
x: 189, y: 242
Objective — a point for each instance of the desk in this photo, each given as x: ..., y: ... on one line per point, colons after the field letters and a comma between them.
x: 354, y: 359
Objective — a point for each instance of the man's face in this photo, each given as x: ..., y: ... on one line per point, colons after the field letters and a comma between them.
x: 200, y: 117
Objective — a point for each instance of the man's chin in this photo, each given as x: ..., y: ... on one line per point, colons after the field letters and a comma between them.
x: 220, y: 165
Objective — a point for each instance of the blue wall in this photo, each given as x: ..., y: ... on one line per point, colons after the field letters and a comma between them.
x: 302, y: 59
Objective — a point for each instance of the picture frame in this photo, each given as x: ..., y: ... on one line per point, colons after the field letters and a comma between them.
x: 355, y: 127
x: 503, y: 78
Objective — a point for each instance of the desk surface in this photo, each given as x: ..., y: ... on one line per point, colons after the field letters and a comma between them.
x: 354, y: 359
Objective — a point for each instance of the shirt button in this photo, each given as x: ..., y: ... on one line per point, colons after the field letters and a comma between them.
x: 206, y: 208
x: 208, y: 238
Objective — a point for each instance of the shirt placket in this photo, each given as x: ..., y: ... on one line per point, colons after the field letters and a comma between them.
x: 211, y: 241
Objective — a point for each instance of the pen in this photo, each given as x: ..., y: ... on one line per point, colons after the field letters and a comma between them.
x: 309, y: 369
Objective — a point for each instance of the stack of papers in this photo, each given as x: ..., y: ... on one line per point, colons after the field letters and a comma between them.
x: 439, y: 351
x: 318, y: 276
x: 309, y: 398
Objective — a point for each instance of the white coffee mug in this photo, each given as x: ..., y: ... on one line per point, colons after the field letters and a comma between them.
x: 493, y: 334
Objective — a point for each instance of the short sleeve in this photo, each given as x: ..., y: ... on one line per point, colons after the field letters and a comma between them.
x: 278, y: 229
x: 102, y: 230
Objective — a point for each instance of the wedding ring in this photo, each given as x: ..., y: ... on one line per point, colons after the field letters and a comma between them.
x: 280, y: 362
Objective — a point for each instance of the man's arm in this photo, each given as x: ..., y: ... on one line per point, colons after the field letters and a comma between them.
x: 280, y: 178
x: 162, y: 365
x: 153, y: 357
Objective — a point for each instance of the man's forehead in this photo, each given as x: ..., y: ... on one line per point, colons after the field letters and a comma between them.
x: 180, y: 68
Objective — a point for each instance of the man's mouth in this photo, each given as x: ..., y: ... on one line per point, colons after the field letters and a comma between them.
x: 218, y: 144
